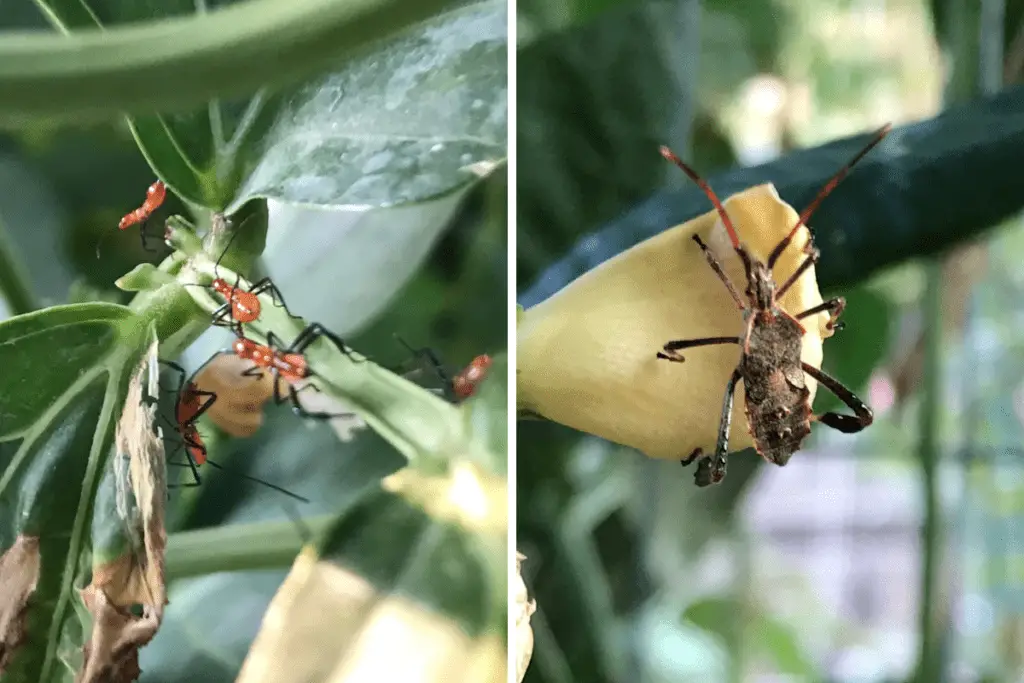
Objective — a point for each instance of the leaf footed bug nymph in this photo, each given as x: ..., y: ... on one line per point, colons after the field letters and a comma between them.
x: 777, y: 404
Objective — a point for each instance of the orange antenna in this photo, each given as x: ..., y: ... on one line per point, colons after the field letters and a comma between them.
x: 831, y: 185
x: 667, y: 153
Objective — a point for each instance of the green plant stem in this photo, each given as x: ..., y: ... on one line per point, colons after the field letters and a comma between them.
x: 929, y: 658
x: 182, y: 62
x: 266, y: 545
x: 14, y: 286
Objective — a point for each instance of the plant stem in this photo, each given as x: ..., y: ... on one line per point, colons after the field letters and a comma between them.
x: 14, y: 285
x: 265, y: 545
x: 184, y: 61
x: 929, y: 658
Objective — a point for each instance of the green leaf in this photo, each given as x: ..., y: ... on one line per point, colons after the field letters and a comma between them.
x: 400, y: 123
x: 763, y: 634
x: 44, y: 355
x: 71, y: 366
x: 182, y: 62
x: 351, y: 264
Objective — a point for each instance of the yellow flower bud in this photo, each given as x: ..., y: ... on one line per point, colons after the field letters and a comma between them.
x: 586, y: 357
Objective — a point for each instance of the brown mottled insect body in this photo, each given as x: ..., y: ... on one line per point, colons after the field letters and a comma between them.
x: 777, y: 398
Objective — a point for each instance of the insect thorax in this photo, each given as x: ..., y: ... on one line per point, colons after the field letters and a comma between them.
x: 761, y: 286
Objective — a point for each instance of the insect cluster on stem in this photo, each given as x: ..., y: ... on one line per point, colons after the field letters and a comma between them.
x: 286, y: 363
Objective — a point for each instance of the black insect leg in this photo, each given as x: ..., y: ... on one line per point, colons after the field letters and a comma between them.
x: 714, y: 470
x: 145, y: 236
x: 435, y: 362
x: 183, y: 445
x: 848, y: 424
x: 717, y: 267
x: 224, y: 317
x: 179, y: 371
x: 255, y: 371
x: 812, y: 257
x: 196, y: 391
x: 696, y: 454
x: 297, y: 407
x: 260, y: 481
x: 670, y: 351
x: 266, y: 285
x: 313, y: 332
x: 834, y: 307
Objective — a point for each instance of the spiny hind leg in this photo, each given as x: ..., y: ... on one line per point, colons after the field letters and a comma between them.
x: 848, y: 424
x: 712, y: 470
x: 697, y: 453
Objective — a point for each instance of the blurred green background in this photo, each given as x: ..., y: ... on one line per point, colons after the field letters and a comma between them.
x: 893, y: 555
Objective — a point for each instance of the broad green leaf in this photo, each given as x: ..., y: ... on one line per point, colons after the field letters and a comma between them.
x: 32, y: 217
x: 350, y: 264
x: 47, y: 353
x: 400, y: 123
x: 72, y: 365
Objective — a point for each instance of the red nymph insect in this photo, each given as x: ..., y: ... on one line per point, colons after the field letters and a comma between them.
x: 191, y: 403
x: 289, y: 364
x: 777, y: 407
x: 464, y: 383
x: 155, y: 196
x: 240, y: 305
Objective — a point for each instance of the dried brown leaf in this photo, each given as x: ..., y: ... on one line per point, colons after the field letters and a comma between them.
x: 524, y: 607
x: 19, y: 574
x: 137, y: 577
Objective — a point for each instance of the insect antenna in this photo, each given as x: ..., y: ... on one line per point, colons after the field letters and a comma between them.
x: 216, y: 264
x: 227, y: 248
x: 825, y: 191
x: 702, y: 184
x: 260, y: 481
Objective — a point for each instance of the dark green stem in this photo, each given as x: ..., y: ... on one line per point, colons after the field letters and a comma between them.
x: 929, y: 659
x: 14, y: 286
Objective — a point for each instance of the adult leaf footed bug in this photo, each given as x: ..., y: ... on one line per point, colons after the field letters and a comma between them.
x: 777, y: 405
